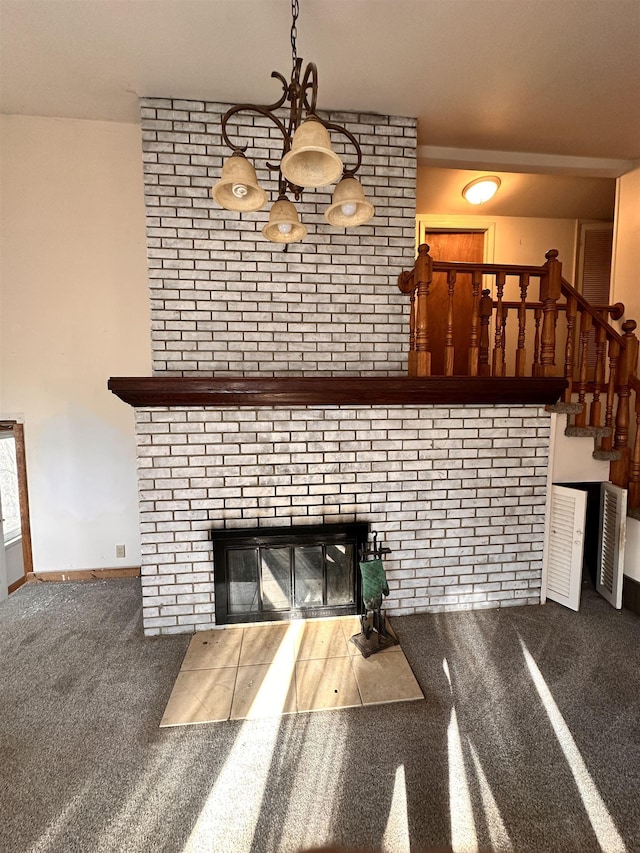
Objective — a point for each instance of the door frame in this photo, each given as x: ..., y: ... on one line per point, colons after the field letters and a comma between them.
x: 426, y: 222
x: 17, y: 429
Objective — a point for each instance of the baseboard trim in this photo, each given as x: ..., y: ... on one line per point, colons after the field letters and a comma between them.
x: 631, y: 595
x: 17, y: 584
x: 83, y: 575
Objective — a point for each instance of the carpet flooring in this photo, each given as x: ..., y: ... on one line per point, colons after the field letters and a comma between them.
x: 528, y: 739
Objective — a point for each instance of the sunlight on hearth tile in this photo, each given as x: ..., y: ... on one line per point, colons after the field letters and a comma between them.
x: 230, y: 814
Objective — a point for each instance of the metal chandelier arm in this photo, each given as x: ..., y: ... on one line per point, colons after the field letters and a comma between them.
x: 254, y: 108
x: 310, y: 80
x: 339, y: 129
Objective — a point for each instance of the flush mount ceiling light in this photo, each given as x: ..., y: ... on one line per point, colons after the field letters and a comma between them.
x: 307, y: 161
x: 481, y: 190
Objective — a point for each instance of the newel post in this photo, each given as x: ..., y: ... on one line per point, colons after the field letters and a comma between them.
x: 550, y: 290
x: 627, y: 366
x: 423, y: 278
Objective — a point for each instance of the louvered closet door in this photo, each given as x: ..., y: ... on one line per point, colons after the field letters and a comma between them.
x: 613, y: 530
x: 563, y: 558
x: 594, y: 273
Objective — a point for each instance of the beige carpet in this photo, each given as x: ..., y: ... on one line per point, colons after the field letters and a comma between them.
x: 239, y: 673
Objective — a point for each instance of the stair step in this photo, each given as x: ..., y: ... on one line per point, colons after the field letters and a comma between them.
x: 634, y: 513
x: 607, y: 455
x: 565, y: 408
x: 588, y: 431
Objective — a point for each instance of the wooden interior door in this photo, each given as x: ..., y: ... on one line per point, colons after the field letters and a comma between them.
x: 462, y: 246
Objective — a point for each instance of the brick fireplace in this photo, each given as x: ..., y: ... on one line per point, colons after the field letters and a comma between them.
x: 457, y: 491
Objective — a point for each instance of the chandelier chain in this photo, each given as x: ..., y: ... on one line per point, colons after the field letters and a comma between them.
x: 295, y: 11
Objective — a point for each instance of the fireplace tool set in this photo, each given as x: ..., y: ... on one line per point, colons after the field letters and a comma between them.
x: 374, y: 635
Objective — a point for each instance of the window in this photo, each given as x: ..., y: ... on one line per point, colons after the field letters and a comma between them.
x: 9, y: 495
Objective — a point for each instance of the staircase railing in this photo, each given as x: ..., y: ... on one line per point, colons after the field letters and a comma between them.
x: 522, y: 336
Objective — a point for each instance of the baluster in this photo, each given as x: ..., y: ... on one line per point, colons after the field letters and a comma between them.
x: 614, y: 355
x: 498, y: 349
x: 535, y: 367
x: 569, y: 353
x: 476, y: 282
x: 521, y: 353
x: 503, y: 367
x: 412, y: 334
x: 424, y: 276
x: 634, y: 474
x: 550, y: 290
x: 449, y: 348
x: 628, y: 360
x: 595, y: 413
x: 486, y: 309
x: 585, y: 329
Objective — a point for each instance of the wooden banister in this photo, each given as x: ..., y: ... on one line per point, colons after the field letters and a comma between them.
x: 596, y: 316
x: 488, y: 269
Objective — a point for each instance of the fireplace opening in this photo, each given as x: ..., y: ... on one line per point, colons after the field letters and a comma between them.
x: 300, y: 572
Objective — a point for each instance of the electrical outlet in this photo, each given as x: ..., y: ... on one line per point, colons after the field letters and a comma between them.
x: 120, y: 550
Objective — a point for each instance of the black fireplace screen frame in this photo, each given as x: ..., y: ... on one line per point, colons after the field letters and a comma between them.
x: 226, y: 542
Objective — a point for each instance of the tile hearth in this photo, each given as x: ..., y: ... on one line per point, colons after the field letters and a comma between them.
x: 268, y: 670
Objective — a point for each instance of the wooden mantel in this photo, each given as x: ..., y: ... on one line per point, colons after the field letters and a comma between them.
x: 272, y: 391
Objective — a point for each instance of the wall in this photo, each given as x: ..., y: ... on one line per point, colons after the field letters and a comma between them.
x: 518, y: 240
x: 520, y: 194
x: 626, y: 244
x: 225, y: 299
x: 74, y: 312
x: 457, y: 493
x: 632, y: 550
x: 572, y: 460
x: 624, y: 286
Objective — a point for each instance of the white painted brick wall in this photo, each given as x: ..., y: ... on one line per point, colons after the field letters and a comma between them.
x: 225, y: 299
x: 458, y: 493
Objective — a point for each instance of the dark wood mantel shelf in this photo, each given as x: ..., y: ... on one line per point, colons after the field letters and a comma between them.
x: 332, y: 390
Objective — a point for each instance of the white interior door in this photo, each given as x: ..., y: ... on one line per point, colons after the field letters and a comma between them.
x: 613, y: 529
x: 565, y: 545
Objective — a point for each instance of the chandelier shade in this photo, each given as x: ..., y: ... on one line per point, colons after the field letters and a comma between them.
x: 311, y: 161
x: 284, y: 224
x: 238, y: 187
x: 349, y: 207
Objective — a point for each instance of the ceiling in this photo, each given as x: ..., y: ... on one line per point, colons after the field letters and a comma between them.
x: 522, y: 85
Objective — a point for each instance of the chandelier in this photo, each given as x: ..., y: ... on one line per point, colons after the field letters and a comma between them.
x: 307, y: 161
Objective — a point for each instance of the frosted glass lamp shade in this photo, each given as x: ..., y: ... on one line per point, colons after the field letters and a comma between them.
x: 284, y: 224
x: 238, y: 187
x: 311, y: 162
x: 349, y: 207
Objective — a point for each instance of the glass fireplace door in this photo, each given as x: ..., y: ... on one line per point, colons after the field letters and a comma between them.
x: 304, y: 577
